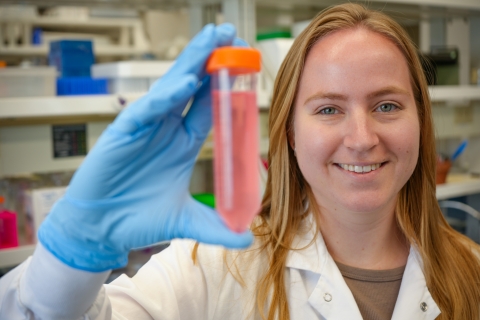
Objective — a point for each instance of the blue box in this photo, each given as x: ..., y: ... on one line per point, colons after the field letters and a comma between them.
x: 72, y: 58
x: 81, y: 85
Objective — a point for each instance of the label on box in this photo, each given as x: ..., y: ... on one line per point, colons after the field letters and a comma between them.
x: 69, y: 140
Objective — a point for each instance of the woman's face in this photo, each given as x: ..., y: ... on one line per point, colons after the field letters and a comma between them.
x: 356, y: 129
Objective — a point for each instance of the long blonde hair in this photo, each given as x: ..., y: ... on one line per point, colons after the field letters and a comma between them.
x: 452, y: 271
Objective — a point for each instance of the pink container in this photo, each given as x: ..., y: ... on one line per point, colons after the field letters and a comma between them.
x: 235, y: 134
x: 8, y: 227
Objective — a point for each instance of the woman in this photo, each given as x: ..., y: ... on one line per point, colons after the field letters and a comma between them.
x: 402, y: 143
x: 349, y: 226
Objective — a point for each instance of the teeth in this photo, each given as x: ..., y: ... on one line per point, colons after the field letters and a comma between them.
x: 360, y: 169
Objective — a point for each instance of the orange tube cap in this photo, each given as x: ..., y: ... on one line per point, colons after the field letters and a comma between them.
x: 234, y: 57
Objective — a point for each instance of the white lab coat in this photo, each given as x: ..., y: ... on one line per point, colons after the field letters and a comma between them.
x: 170, y: 286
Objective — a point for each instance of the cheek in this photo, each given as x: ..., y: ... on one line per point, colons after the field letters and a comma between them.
x: 408, y: 143
x: 314, y: 145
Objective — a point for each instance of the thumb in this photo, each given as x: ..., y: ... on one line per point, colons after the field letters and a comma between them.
x: 203, y: 224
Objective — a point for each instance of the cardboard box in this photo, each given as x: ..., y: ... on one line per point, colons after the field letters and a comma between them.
x: 37, y: 205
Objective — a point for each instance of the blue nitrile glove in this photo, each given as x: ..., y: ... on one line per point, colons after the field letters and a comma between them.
x: 132, y: 190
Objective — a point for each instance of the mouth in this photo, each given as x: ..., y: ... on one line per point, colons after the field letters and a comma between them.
x: 360, y: 169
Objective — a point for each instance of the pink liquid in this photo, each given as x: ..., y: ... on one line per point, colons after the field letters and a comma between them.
x: 236, y: 175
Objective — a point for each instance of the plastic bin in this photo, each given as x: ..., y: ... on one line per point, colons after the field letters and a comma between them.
x: 131, y: 76
x: 81, y: 86
x: 72, y: 58
x: 28, y: 82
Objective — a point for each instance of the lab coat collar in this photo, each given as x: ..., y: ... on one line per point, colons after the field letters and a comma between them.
x: 331, y: 296
x: 333, y: 299
x: 309, y: 250
x: 414, y: 300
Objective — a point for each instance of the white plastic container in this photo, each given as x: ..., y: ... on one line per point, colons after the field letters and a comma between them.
x: 28, y: 82
x: 274, y: 52
x: 130, y: 76
x: 37, y: 203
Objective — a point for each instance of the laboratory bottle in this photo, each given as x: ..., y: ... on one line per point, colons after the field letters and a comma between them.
x: 8, y: 227
x: 235, y: 132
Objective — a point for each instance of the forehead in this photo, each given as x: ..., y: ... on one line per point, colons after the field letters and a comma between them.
x: 354, y: 44
x: 354, y: 58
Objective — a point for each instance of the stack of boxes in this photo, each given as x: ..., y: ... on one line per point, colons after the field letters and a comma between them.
x: 73, y: 60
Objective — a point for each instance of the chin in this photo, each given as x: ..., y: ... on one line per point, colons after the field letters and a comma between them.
x: 364, y: 208
x: 365, y: 204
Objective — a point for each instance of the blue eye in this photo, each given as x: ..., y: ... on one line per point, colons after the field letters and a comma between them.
x: 328, y: 110
x: 387, y: 107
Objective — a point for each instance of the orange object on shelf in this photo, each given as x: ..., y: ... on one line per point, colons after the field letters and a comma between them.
x: 3, y: 64
x: 443, y: 167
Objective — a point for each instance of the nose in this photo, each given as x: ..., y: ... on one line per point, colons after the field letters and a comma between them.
x: 360, y: 134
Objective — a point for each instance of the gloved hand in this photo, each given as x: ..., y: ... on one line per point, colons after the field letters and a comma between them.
x: 132, y: 189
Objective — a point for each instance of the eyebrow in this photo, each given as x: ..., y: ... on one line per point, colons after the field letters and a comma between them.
x: 337, y: 96
x: 387, y: 90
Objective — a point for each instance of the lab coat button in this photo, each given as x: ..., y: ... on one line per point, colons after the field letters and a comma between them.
x: 424, y: 306
x: 327, y: 297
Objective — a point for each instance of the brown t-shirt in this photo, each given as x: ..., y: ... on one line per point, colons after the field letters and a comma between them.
x: 375, y: 291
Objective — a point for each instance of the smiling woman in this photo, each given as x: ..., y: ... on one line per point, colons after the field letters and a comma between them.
x: 352, y: 143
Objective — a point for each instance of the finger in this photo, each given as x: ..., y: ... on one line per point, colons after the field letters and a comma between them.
x: 198, y: 120
x: 239, y: 42
x: 193, y: 58
x: 205, y: 225
x: 171, y: 98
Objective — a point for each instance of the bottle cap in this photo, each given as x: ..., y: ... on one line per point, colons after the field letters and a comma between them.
x: 235, y: 57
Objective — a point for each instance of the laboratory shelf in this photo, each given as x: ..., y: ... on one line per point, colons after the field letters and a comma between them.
x: 47, y: 21
x: 457, y: 4
x: 111, y: 104
x: 454, y: 93
x: 131, y: 39
x: 48, y: 107
x: 31, y: 107
x: 458, y: 185
x: 13, y: 256
x: 42, y: 50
